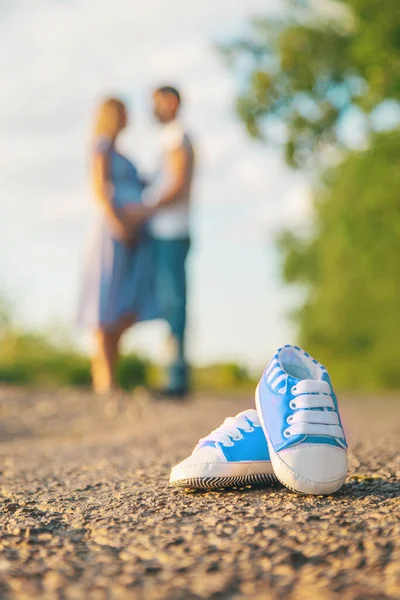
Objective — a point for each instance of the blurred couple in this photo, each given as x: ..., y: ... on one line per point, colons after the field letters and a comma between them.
x: 137, y: 254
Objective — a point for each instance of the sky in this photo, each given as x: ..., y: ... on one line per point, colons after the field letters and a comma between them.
x: 58, y: 59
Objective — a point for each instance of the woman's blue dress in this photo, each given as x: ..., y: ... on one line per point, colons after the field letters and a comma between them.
x: 118, y: 281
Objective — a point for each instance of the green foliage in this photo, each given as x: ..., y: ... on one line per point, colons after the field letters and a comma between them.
x: 31, y: 359
x: 28, y: 358
x: 308, y: 71
x: 309, y: 68
x: 349, y: 269
x: 222, y: 376
x: 132, y: 371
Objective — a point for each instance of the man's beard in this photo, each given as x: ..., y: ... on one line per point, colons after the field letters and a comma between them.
x: 158, y: 117
x: 161, y: 118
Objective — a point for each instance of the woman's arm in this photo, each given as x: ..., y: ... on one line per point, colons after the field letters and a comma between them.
x: 136, y: 214
x: 104, y: 195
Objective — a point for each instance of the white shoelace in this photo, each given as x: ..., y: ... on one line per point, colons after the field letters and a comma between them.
x: 231, y: 429
x: 309, y: 394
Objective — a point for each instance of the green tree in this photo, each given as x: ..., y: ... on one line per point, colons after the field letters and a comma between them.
x: 308, y: 68
x: 349, y: 268
x: 307, y: 71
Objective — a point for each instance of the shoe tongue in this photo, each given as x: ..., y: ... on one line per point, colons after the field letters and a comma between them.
x: 292, y: 381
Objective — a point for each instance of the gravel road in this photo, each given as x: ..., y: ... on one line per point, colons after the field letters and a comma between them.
x: 86, y: 512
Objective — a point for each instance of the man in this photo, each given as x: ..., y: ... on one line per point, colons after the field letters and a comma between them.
x: 170, y: 230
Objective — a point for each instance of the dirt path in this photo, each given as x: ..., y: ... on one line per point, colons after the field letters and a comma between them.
x: 85, y: 511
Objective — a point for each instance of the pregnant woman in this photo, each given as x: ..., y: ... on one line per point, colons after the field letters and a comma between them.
x: 117, y: 288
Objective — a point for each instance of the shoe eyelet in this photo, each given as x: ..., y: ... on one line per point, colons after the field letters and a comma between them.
x: 228, y: 445
x: 286, y: 433
x: 237, y: 438
x: 250, y: 429
x: 292, y: 405
x: 293, y: 390
x: 289, y: 420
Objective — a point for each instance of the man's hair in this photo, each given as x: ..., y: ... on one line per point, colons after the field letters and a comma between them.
x: 169, y: 89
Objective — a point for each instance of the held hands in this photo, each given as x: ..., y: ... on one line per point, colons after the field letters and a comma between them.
x: 135, y: 214
x: 126, y: 222
x: 122, y: 231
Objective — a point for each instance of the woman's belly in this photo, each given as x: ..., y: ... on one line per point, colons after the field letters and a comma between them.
x: 126, y: 193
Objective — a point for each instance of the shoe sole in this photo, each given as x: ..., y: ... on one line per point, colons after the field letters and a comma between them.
x: 216, y: 483
x: 281, y: 469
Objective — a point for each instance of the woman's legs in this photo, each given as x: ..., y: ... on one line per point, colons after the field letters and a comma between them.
x: 103, y: 361
x: 106, y: 354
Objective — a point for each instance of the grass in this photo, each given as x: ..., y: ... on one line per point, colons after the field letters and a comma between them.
x: 32, y: 359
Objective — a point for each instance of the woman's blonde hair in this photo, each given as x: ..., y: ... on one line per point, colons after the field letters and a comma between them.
x: 110, y: 118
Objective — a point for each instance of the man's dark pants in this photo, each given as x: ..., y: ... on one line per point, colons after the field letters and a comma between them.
x: 170, y: 264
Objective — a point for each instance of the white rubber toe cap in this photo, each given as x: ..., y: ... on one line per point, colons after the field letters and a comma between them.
x: 210, y: 462
x: 312, y: 468
x: 202, y: 463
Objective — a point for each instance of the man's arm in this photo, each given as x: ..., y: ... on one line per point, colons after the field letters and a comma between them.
x: 178, y: 166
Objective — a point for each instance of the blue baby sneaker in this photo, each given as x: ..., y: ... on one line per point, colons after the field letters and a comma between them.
x: 299, y: 413
x: 235, y: 454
